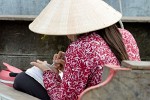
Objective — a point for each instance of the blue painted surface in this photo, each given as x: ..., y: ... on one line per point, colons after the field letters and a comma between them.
x: 136, y: 7
x: 132, y: 7
x: 22, y: 7
x: 34, y: 7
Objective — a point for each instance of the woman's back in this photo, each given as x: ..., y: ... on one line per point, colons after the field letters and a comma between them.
x: 90, y: 53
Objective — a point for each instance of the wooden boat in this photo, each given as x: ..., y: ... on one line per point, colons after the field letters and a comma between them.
x: 5, y: 74
x: 131, y: 81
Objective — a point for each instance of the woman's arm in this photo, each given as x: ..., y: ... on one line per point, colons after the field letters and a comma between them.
x: 74, y: 79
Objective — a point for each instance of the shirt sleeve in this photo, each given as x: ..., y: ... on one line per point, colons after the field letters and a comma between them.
x: 74, y: 79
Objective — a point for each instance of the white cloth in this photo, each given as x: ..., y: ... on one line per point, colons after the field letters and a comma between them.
x: 37, y: 74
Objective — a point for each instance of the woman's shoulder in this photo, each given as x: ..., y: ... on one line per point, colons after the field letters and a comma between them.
x: 126, y: 35
x: 124, y: 31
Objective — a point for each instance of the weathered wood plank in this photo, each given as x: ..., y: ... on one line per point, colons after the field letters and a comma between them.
x: 8, y: 93
x: 125, y: 85
x: 136, y: 19
x: 136, y: 65
x: 18, y: 17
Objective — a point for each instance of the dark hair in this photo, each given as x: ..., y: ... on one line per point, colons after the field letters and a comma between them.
x: 113, y: 38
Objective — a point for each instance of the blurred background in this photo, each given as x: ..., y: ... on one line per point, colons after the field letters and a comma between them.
x: 19, y: 46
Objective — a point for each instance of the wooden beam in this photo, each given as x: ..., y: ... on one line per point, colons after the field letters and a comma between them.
x: 8, y: 93
x: 136, y: 65
x: 136, y: 19
x: 18, y: 17
x: 32, y: 17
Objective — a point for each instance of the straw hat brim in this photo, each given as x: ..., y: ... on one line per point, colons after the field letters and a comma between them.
x: 66, y: 17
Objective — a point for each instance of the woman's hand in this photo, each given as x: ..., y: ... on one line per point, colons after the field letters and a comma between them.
x: 59, y: 55
x: 59, y: 61
x: 43, y: 65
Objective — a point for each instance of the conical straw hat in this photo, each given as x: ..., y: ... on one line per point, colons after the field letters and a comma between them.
x: 65, y: 17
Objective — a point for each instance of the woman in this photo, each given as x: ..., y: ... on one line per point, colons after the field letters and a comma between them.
x: 96, y: 41
x: 84, y: 61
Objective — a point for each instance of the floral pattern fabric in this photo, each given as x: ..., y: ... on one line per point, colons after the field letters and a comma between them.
x: 85, y: 59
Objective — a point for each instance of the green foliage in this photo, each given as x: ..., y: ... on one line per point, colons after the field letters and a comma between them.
x: 44, y: 37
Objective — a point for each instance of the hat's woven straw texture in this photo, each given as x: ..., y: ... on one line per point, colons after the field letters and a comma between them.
x: 65, y: 17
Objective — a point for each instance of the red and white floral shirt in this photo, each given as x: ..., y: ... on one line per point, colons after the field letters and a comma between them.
x: 85, y: 59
